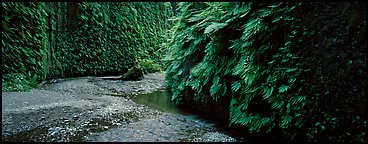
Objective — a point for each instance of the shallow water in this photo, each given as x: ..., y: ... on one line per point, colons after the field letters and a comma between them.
x: 159, y: 100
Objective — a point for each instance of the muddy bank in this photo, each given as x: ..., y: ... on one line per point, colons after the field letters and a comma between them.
x: 98, y: 109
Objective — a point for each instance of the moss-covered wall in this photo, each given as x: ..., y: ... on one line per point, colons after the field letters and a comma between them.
x: 108, y: 38
x: 24, y: 44
x: 63, y: 39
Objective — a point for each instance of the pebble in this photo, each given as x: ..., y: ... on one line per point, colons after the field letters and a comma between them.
x: 105, y: 127
x: 54, y: 131
x: 75, y: 117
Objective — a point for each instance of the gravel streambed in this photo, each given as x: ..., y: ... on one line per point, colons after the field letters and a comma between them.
x: 99, y: 109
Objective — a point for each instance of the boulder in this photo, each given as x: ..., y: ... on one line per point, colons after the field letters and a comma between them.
x: 133, y: 74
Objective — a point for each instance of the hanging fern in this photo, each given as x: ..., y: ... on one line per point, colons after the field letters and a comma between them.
x: 255, y: 58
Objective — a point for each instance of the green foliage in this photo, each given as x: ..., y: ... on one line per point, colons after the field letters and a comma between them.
x: 23, y: 44
x: 335, y: 72
x: 148, y: 66
x: 18, y: 82
x: 259, y: 58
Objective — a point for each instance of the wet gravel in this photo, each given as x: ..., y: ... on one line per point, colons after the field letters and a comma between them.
x: 95, y: 109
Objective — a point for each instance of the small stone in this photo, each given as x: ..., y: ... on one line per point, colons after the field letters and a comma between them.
x: 116, y: 110
x: 75, y: 117
x: 105, y: 127
x: 42, y: 118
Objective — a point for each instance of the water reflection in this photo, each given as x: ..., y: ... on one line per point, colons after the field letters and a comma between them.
x: 159, y: 100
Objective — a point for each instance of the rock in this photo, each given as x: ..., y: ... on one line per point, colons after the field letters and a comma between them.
x: 75, y: 117
x: 54, y: 131
x: 58, y: 80
x: 133, y: 74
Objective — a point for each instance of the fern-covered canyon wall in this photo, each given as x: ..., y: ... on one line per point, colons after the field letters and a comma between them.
x: 24, y: 45
x: 66, y: 39
x: 280, y: 70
